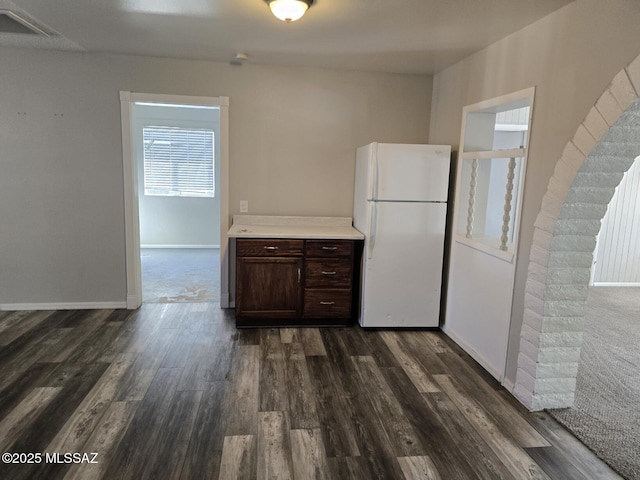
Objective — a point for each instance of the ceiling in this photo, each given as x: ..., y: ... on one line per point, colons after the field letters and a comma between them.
x: 402, y: 36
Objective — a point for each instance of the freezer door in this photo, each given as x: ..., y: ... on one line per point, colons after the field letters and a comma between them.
x: 413, y: 173
x: 402, y: 268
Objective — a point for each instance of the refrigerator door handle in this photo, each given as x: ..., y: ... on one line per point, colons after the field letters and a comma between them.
x: 373, y: 228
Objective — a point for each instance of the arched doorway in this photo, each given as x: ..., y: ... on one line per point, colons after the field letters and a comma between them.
x: 592, y: 165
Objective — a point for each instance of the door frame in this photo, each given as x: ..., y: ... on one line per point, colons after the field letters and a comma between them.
x: 131, y: 205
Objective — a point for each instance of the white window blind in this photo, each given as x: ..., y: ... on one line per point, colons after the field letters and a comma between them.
x: 178, y: 161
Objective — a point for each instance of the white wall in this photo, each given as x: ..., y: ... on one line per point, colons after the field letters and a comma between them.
x: 293, y: 135
x: 183, y: 221
x: 618, y: 250
x: 570, y: 57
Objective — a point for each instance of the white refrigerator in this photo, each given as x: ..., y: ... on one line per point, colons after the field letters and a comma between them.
x: 400, y: 204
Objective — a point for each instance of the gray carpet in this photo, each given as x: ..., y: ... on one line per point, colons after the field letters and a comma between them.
x: 175, y: 275
x: 606, y: 413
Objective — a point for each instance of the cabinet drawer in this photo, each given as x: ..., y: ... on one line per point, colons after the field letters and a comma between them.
x: 329, y: 248
x: 264, y: 247
x: 328, y: 303
x: 328, y: 273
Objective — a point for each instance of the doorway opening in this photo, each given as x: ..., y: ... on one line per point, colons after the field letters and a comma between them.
x: 175, y: 159
x: 178, y: 167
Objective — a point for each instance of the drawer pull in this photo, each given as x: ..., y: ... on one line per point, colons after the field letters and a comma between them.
x: 329, y: 273
x: 270, y: 248
x: 327, y: 303
x: 329, y: 248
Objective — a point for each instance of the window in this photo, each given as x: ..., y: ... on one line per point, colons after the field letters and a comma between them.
x: 178, y: 161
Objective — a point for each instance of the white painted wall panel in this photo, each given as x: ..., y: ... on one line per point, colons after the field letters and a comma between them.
x: 479, y: 306
x: 618, y: 250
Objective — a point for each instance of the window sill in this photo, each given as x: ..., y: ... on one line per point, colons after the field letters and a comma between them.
x: 487, y: 245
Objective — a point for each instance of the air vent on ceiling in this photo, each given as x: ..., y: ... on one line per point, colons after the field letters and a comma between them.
x: 11, y: 22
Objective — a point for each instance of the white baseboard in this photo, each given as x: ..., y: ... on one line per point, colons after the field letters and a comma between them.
x: 132, y: 302
x: 509, y: 386
x: 179, y: 246
x: 616, y: 284
x: 10, y: 307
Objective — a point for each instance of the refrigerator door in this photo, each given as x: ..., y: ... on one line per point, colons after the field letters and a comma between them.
x: 402, y: 267
x: 410, y: 173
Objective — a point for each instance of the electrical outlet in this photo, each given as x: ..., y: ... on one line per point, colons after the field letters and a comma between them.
x: 244, y: 206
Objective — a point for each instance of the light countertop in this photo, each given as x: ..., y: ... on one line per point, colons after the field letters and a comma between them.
x: 266, y: 226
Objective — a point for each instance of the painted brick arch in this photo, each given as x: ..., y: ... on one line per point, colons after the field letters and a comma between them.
x: 591, y: 167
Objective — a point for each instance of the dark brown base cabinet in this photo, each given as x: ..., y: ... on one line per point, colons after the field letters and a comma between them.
x: 294, y: 282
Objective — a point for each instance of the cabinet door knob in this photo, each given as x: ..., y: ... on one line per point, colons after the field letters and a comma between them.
x: 327, y: 303
x: 329, y: 273
x: 299, y: 275
x: 270, y: 248
x: 329, y: 248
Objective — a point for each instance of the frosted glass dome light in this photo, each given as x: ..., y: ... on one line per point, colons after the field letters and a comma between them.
x: 289, y: 10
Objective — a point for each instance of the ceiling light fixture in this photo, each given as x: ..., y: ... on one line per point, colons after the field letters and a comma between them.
x: 289, y: 10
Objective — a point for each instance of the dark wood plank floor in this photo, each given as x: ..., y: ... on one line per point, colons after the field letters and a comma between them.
x: 174, y: 391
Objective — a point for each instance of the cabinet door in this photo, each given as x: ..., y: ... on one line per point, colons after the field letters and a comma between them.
x: 269, y: 287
